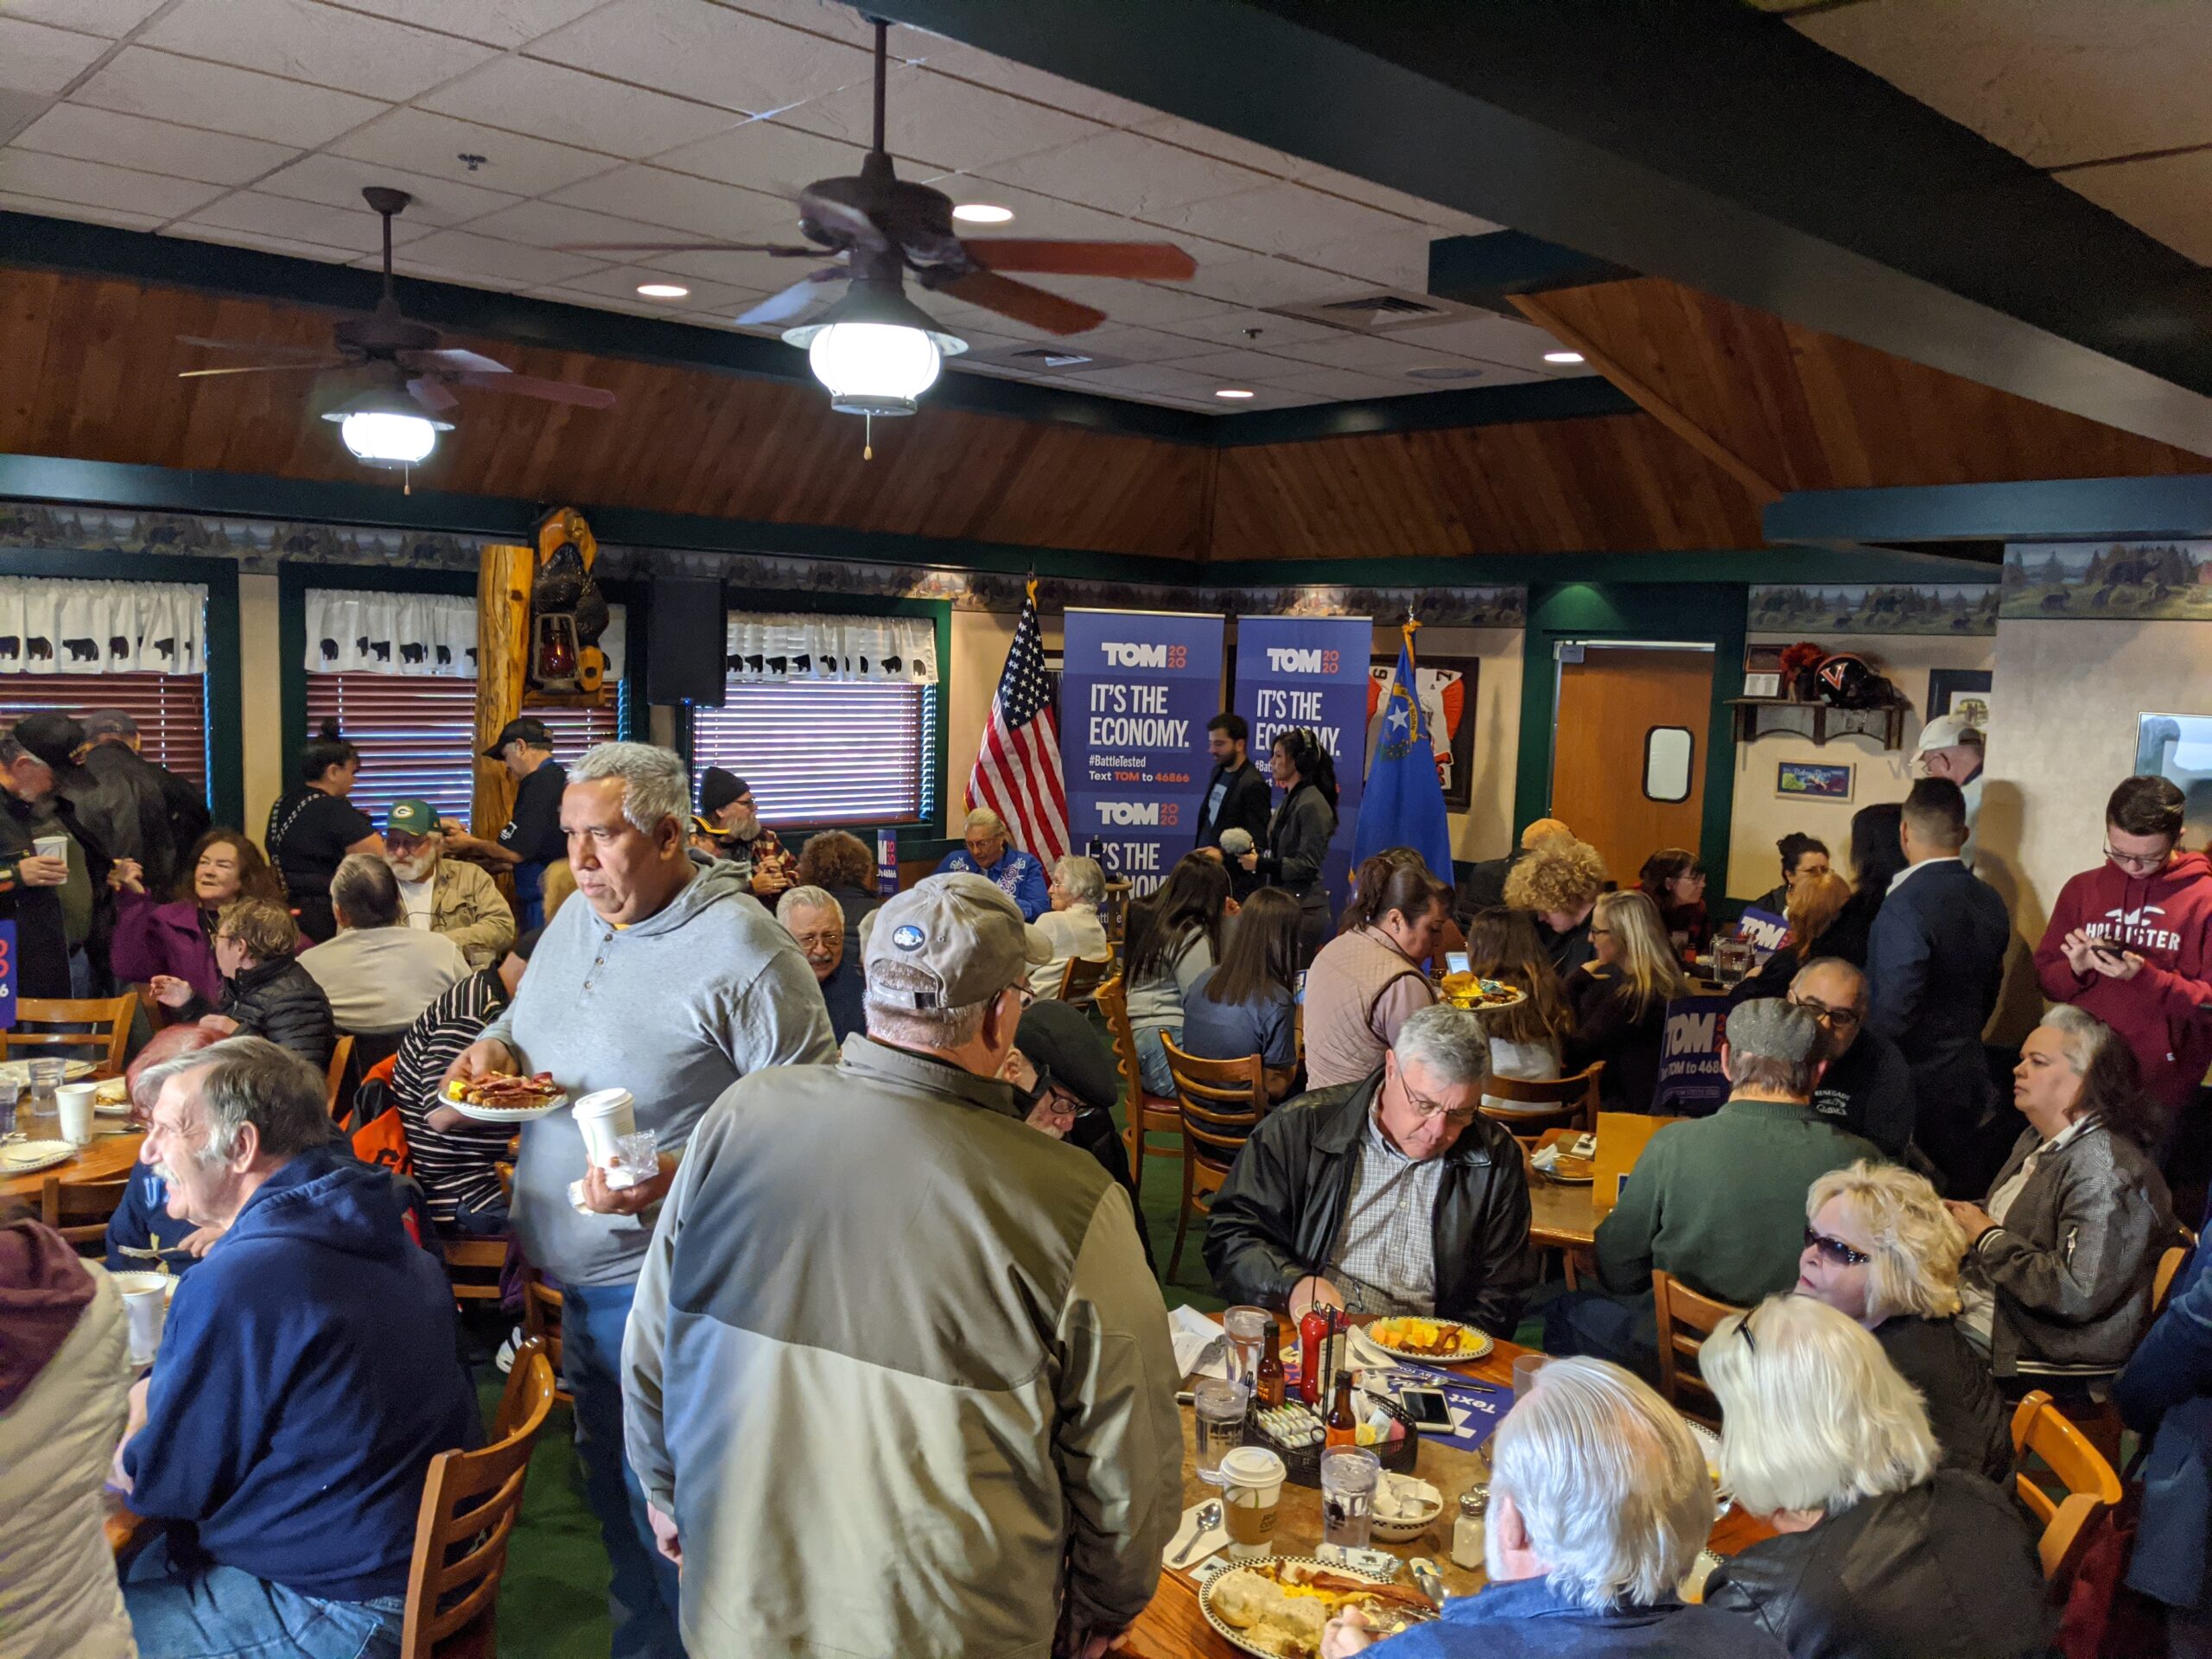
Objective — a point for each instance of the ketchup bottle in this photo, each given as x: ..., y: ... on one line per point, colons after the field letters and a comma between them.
x: 1313, y: 1356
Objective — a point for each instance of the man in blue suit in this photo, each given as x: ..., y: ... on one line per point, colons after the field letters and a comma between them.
x: 1936, y: 960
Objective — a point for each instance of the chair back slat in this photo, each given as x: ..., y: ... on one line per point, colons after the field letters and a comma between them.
x: 2087, y: 1482
x: 1547, y: 1102
x: 541, y: 1306
x: 474, y: 1267
x: 341, y: 1056
x: 79, y: 1210
x: 1221, y: 1100
x: 2162, y: 1283
x: 1081, y: 978
x: 1685, y: 1319
x: 63, y: 1028
x: 1113, y: 1000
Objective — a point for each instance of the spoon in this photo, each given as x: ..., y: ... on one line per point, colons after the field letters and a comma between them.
x: 1209, y: 1518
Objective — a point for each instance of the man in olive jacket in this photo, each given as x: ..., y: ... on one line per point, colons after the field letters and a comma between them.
x: 897, y: 1380
x: 1391, y: 1195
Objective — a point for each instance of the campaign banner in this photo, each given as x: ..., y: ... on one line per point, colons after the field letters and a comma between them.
x: 1312, y: 671
x: 1766, y: 931
x: 7, y: 975
x: 1136, y: 690
x: 1691, y: 1083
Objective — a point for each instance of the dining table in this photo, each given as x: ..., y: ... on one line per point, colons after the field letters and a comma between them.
x: 1562, y: 1215
x: 112, y: 1151
x: 1173, y: 1627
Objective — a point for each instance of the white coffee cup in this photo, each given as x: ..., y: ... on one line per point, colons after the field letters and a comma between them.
x: 145, y: 1305
x: 1252, y: 1478
x: 51, y: 845
x: 604, y: 1118
x: 72, y: 1104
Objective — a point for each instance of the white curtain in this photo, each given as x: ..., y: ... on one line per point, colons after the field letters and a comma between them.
x: 769, y: 649
x: 50, y: 625
x: 356, y: 632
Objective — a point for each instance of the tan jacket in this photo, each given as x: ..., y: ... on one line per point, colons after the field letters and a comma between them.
x: 465, y: 906
x: 1360, y: 989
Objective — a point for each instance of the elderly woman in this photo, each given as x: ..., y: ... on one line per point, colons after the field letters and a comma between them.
x: 2060, y: 1259
x: 1879, y: 1550
x: 816, y: 924
x: 1072, y: 924
x: 1881, y: 1249
x: 1560, y: 882
x: 178, y: 938
x: 988, y: 850
x: 266, y: 993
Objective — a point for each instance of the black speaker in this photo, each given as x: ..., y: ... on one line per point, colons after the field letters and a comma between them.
x: 685, y: 631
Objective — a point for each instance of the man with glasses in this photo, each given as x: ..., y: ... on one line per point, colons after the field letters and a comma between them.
x: 1390, y: 1195
x: 1865, y: 1086
x: 447, y: 896
x: 2131, y: 941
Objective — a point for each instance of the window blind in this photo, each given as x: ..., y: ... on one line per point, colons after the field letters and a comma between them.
x: 823, y: 753
x: 171, y: 710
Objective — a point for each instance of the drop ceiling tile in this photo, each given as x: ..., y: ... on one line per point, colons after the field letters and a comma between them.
x: 1343, y: 385
x: 621, y: 282
x: 1371, y: 353
x: 685, y: 201
x: 1505, y: 341
x: 1127, y: 173
x: 1146, y: 377
x: 2170, y: 199
x: 152, y: 146
x: 19, y: 109
x: 36, y: 59
x: 1232, y: 327
x: 1260, y: 281
x: 1207, y: 141
x: 982, y: 69
x: 421, y: 141
x: 1159, y: 305
x: 1040, y: 216
x: 485, y: 256
x: 456, y: 276
x: 495, y: 22
x: 709, y: 53
x: 546, y: 224
x: 64, y: 178
x: 757, y: 271
x: 301, y: 41
x: 548, y: 100
x: 934, y: 118
x: 1448, y: 220
x: 1280, y: 218
x: 765, y: 156
x: 338, y: 181
x: 112, y: 19
x: 200, y: 231
x: 1390, y: 259
x: 1140, y: 345
x: 46, y: 208
x: 836, y: 21
x: 354, y: 228
x: 139, y: 80
x: 1236, y: 368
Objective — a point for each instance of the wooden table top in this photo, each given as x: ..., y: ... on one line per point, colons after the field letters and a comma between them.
x: 108, y: 1159
x: 1174, y: 1628
x: 1560, y: 1213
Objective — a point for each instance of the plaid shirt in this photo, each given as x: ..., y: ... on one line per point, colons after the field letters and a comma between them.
x: 1384, y: 1260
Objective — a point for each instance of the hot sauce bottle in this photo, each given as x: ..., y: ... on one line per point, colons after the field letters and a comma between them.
x: 1313, y: 1356
x: 1268, y: 1383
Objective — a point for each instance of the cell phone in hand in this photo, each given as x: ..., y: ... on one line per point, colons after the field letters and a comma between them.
x: 2108, y: 951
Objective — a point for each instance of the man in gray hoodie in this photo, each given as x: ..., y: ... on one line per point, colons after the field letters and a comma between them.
x: 669, y: 981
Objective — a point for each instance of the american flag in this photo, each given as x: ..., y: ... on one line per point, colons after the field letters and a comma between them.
x: 1017, y: 772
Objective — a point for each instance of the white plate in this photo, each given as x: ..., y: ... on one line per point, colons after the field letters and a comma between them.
x: 1466, y: 1357
x: 29, y: 1157
x: 111, y: 1108
x: 20, y: 1070
x: 508, y: 1114
x: 1709, y: 1443
x: 1236, y: 1639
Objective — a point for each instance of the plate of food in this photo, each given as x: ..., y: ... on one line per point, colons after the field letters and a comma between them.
x: 112, y: 1098
x: 1572, y: 1161
x: 1468, y: 991
x: 1709, y: 1443
x: 29, y: 1157
x: 505, y: 1099
x: 19, y: 1071
x: 1276, y: 1608
x: 1442, y: 1341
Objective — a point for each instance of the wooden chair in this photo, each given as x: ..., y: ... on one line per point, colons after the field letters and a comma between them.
x: 341, y: 1058
x: 1148, y: 1114
x: 78, y: 1212
x: 471, y: 1501
x: 2162, y: 1283
x: 1552, y: 1103
x: 474, y: 1267
x: 1685, y: 1319
x: 1220, y: 1102
x: 2088, y: 1481
x: 1080, y: 979
x: 51, y: 1028
x: 541, y: 1320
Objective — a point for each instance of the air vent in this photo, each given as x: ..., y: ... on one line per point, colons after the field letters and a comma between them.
x: 1045, y: 358
x: 1454, y: 371
x: 1382, y: 311
x: 1393, y: 306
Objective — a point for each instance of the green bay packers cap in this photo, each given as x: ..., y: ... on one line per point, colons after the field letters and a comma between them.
x: 410, y: 817
x: 959, y: 930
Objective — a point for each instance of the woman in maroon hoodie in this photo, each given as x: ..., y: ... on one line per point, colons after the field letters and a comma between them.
x: 178, y: 939
x: 2131, y: 941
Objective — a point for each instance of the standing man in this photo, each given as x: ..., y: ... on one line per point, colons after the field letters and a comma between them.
x: 725, y: 802
x: 445, y: 895
x: 87, y: 895
x: 30, y: 884
x: 667, y: 983
x: 2131, y: 941
x: 991, y: 1381
x: 988, y: 851
x: 1936, y: 960
x: 531, y: 838
x: 1951, y: 748
x: 138, y: 810
x: 1238, y: 795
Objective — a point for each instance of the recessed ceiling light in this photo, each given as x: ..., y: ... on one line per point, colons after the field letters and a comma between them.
x: 663, y: 290
x: 982, y: 213
x: 1562, y: 357
x: 1232, y: 391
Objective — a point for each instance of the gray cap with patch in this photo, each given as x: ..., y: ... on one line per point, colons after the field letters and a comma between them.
x: 1769, y: 1028
x: 960, y: 930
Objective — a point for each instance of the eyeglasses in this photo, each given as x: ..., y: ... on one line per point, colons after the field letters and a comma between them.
x: 1835, y: 1251
x: 1429, y: 1110
x: 2147, y: 864
x: 1024, y: 993
x: 1834, y: 1018
x: 1601, y: 932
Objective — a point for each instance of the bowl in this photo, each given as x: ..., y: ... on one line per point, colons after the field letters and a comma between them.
x: 1418, y: 1512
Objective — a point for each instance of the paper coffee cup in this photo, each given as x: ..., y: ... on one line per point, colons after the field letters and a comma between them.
x: 1253, y: 1477
x: 604, y: 1118
x: 72, y: 1104
x: 145, y: 1305
x: 51, y: 845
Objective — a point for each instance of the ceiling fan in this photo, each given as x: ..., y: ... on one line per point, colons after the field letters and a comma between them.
x: 393, y: 422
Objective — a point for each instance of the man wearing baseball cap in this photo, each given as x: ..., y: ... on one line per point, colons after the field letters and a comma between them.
x: 1951, y: 746
x: 445, y: 895
x: 530, y: 839
x: 725, y: 802
x: 881, y: 1271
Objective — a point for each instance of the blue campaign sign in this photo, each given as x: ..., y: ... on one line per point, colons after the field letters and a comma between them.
x: 1312, y: 671
x: 1691, y: 1082
x: 1766, y: 931
x: 1136, y: 690
x: 7, y: 975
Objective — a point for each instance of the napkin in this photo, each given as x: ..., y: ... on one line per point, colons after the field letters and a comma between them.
x: 1209, y: 1542
x: 1192, y: 1331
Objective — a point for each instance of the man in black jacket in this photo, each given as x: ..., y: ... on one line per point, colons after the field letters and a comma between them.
x: 1392, y: 1195
x: 1238, y: 795
x: 137, y: 808
x: 1866, y: 1085
x: 62, y: 907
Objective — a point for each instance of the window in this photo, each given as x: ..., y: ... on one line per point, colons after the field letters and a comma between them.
x: 418, y: 736
x: 1666, y: 763
x: 171, y: 710
x: 824, y: 752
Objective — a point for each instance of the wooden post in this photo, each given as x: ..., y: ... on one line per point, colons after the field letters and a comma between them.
x: 503, y: 585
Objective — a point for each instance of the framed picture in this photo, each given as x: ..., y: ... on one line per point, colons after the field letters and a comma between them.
x: 1810, y: 780
x: 1447, y: 701
x: 1762, y: 659
x: 1948, y: 687
x: 2178, y: 748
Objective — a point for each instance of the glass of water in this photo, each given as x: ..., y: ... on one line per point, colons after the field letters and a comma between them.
x: 10, y: 1091
x: 1249, y: 1330
x: 1348, y: 1477
x: 1219, y: 1407
x: 46, y: 1077
x: 1731, y: 960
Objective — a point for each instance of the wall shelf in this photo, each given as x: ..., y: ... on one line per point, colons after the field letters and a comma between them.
x: 1758, y: 717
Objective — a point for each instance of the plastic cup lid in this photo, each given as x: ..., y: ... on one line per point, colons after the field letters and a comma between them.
x: 1252, y: 1465
x: 604, y: 1102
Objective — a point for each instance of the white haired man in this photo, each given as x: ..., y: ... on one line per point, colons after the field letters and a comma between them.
x: 816, y: 922
x: 671, y: 983
x: 988, y: 850
x: 1600, y: 1501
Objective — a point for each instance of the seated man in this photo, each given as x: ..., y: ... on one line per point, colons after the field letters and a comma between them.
x: 455, y: 1158
x: 1067, y: 1074
x: 379, y: 973
x: 1391, y: 1195
x: 1600, y: 1501
x: 1717, y: 1202
x: 1865, y: 1086
x: 725, y: 802
x: 449, y: 896
x: 816, y: 924
x: 989, y: 852
x: 308, y: 1373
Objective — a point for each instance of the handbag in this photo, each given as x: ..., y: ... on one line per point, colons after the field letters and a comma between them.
x: 2099, y: 1616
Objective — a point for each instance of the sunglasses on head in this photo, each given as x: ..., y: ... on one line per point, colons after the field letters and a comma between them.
x: 1834, y: 1249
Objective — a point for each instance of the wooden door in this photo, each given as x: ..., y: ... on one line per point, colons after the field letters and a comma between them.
x: 1614, y: 706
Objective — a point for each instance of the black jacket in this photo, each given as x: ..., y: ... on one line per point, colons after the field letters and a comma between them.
x: 1847, y: 935
x: 41, y: 943
x: 1608, y: 1028
x: 1244, y: 806
x: 1935, y: 960
x: 280, y: 1000
x: 1568, y: 951
x: 1297, y: 840
x: 1966, y: 1413
x: 1869, y: 1091
x: 138, y: 810
x: 1277, y: 1217
x: 1942, y: 1571
x: 1482, y: 888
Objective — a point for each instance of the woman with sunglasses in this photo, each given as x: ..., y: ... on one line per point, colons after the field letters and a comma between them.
x: 1878, y: 1549
x: 1881, y: 1249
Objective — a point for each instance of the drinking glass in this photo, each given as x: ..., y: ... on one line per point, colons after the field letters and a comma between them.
x: 1525, y: 1367
x: 1219, y: 1407
x: 10, y: 1091
x: 1731, y: 960
x: 1249, y: 1330
x: 46, y: 1077
x: 1348, y: 1477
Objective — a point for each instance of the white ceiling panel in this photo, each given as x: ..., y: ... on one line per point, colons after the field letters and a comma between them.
x: 19, y: 109
x: 1503, y: 340
x: 981, y: 69
x: 165, y: 87
x: 757, y: 271
x: 151, y: 146
x: 941, y: 122
x: 545, y: 224
x: 685, y: 201
x: 1139, y: 345
x: 621, y: 282
x: 40, y: 205
x: 1234, y: 368
x: 495, y: 22
x: 485, y: 256
x: 1347, y: 384
x: 732, y: 59
x: 1364, y: 351
x: 302, y: 40
x: 1156, y: 305
x: 1281, y: 218
x: 1233, y: 327
x: 1264, y: 281
x: 338, y: 181
x: 548, y: 100
x: 111, y: 19
x: 64, y: 178
x: 1145, y: 377
x: 1189, y: 134
x: 1387, y: 259
x: 421, y: 141
x: 1448, y: 221
x: 353, y: 230
x: 2170, y: 198
x: 766, y: 156
x: 1039, y: 216
x: 36, y: 59
x: 1127, y: 173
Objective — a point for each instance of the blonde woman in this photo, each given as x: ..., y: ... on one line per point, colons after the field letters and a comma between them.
x: 1881, y: 1249
x: 1815, y: 901
x: 1620, y: 999
x: 1878, y: 1549
x: 1559, y: 881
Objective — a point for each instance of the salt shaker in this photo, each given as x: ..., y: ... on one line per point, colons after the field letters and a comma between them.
x: 1467, y: 1531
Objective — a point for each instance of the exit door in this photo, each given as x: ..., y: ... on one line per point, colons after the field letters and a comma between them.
x: 1628, y: 748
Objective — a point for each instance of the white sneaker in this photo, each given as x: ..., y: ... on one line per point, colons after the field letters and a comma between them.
x: 504, y: 1359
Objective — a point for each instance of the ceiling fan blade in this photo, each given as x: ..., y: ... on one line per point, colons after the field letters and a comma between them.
x: 793, y: 299
x: 319, y: 365
x: 834, y: 217
x: 774, y: 250
x: 265, y: 348
x: 449, y: 357
x: 1034, y: 306
x: 553, y: 392
x: 430, y: 392
x: 1150, y: 261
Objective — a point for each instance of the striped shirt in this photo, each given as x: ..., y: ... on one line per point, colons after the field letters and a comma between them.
x: 1385, y: 1255
x: 456, y: 1167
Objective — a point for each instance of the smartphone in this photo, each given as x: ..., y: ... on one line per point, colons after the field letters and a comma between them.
x: 1455, y: 961
x: 2109, y: 950
x: 1427, y: 1407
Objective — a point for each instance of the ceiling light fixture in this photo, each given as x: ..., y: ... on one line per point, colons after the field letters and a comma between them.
x: 1562, y: 357
x: 982, y: 212
x: 875, y: 350
x: 1232, y: 391
x: 387, y: 428
x: 663, y: 290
